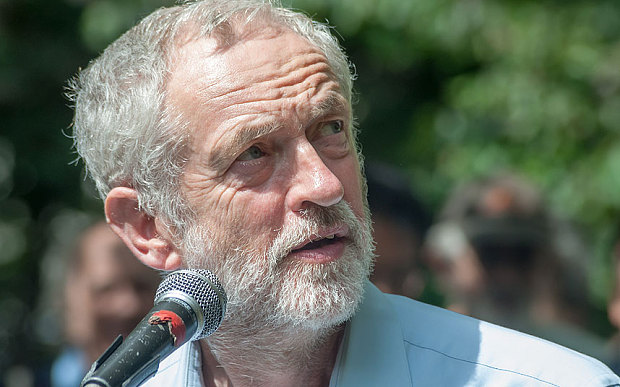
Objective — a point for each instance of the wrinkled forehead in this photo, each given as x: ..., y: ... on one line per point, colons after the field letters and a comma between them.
x: 227, y: 49
x: 269, y: 63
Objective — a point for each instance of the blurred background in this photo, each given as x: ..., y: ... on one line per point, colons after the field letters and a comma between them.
x: 449, y: 91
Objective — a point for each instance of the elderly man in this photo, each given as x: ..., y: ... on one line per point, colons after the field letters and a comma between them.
x: 220, y: 134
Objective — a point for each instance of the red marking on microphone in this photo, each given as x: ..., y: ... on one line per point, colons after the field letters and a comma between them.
x: 174, y: 322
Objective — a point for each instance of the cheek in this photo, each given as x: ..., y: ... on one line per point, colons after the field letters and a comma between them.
x: 250, y: 218
x: 214, y: 202
x: 260, y: 211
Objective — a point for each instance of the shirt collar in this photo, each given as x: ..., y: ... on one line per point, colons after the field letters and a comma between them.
x: 372, y: 351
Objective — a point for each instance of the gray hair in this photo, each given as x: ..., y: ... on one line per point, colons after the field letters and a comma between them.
x: 122, y: 129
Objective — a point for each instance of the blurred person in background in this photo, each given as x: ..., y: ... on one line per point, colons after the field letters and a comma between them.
x: 494, y: 249
x: 400, y: 222
x: 107, y: 292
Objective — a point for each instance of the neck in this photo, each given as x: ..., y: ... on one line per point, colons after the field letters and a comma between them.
x: 276, y: 356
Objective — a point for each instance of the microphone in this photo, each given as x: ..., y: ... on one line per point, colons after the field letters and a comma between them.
x: 189, y: 305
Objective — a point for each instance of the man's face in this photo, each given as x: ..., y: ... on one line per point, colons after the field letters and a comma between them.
x: 110, y: 293
x: 273, y: 175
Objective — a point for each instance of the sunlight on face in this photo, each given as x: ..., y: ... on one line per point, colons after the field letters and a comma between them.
x: 273, y: 178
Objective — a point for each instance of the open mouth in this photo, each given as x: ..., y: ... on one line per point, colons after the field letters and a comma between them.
x: 320, y: 243
x: 326, y: 246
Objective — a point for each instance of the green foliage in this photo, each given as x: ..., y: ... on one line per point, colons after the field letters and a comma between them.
x: 102, y: 21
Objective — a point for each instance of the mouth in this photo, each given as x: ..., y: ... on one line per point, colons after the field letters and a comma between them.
x: 319, y: 243
x: 325, y: 247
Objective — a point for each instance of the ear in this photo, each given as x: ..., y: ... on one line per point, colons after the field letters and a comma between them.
x: 147, y: 237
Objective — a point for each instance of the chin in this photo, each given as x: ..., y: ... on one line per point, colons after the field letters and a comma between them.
x: 320, y: 296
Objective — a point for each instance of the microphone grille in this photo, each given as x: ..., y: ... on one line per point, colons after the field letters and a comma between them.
x: 205, y: 293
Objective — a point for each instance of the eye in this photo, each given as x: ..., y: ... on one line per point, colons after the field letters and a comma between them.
x: 252, y: 153
x: 332, y: 127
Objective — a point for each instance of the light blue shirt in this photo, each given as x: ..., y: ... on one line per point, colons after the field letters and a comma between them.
x: 396, y: 341
x: 69, y: 368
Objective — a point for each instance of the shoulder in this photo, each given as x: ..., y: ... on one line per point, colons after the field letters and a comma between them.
x: 69, y: 368
x: 472, y: 350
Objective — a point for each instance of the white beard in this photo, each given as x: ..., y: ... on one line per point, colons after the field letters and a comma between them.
x: 264, y: 290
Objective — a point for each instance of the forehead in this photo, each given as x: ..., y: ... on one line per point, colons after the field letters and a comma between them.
x: 214, y: 66
x: 100, y: 252
x: 269, y: 71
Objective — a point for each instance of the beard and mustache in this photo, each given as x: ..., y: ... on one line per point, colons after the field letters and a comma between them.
x: 265, y: 290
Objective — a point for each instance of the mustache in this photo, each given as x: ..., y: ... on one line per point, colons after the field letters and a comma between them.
x: 308, y: 226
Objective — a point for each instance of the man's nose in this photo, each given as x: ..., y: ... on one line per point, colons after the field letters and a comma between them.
x: 313, y: 181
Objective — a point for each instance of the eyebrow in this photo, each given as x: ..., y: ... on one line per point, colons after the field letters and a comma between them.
x: 334, y: 103
x: 242, y: 136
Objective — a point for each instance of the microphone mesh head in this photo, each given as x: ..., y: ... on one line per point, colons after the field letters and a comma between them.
x: 204, y: 289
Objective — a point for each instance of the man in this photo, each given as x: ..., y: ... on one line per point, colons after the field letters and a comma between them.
x: 495, y: 250
x: 220, y: 134
x: 106, y: 294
